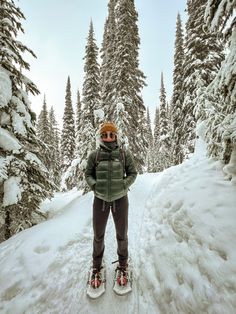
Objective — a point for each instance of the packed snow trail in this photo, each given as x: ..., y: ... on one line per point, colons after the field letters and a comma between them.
x: 47, y: 268
x: 181, y: 238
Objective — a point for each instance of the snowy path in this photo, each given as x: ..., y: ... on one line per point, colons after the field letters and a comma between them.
x: 111, y: 303
x: 49, y: 275
x: 181, y: 238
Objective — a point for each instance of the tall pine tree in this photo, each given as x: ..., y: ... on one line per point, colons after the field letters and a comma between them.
x: 178, y: 94
x: 107, y: 56
x: 20, y: 193
x: 165, y: 138
x: 55, y: 168
x: 91, y: 85
x: 78, y: 121
x: 221, y: 105
x: 126, y: 108
x: 68, y: 131
x: 156, y: 141
x: 90, y: 106
x: 202, y: 59
x: 149, y: 161
x: 44, y: 134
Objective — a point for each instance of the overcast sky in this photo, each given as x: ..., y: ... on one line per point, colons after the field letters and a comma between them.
x: 56, y: 30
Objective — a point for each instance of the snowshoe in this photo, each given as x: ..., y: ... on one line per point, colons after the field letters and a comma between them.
x: 123, y: 279
x: 96, y: 284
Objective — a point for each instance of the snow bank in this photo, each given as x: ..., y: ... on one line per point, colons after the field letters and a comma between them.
x: 230, y: 168
x: 190, y: 238
x: 37, y: 262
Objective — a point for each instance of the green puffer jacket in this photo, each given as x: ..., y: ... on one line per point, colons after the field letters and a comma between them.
x: 108, y: 180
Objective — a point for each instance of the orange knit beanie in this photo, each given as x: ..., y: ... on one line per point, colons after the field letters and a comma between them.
x: 108, y: 126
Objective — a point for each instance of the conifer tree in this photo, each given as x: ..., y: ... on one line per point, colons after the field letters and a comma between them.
x: 55, y: 168
x: 43, y: 125
x: 221, y: 104
x: 150, y: 144
x: 149, y: 128
x: 165, y: 143
x: 171, y: 132
x: 78, y: 121
x: 73, y: 174
x: 21, y: 193
x: 178, y: 94
x: 202, y: 59
x: 156, y: 135
x: 127, y: 82
x: 43, y: 133
x: 107, y: 56
x: 68, y: 131
x: 91, y: 85
x: 156, y: 141
x: 90, y: 106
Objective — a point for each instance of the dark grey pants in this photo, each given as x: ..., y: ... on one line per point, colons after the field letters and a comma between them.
x: 101, y: 210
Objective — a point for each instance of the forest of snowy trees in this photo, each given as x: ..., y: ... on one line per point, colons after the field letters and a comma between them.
x: 38, y: 159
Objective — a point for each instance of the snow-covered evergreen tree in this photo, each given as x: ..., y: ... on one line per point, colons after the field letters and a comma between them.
x: 127, y: 81
x: 107, y: 56
x: 165, y: 137
x: 55, y: 167
x: 149, y: 129
x: 78, y: 122
x: 43, y: 133
x: 202, y: 59
x: 156, y: 141
x: 73, y: 175
x: 156, y: 135
x: 24, y: 179
x: 149, y: 161
x: 178, y: 94
x: 171, y: 131
x: 221, y: 105
x: 43, y: 124
x: 91, y: 85
x: 68, y: 131
x: 90, y: 114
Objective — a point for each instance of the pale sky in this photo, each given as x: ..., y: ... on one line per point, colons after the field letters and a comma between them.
x: 57, y: 30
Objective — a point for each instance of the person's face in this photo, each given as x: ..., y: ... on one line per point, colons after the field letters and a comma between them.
x: 108, y: 136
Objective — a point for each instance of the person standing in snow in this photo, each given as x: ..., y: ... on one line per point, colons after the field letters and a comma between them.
x: 110, y: 172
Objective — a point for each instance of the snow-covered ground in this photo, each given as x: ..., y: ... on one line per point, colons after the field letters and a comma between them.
x: 182, y: 239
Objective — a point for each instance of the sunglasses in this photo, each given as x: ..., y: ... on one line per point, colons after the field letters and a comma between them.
x: 111, y: 135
